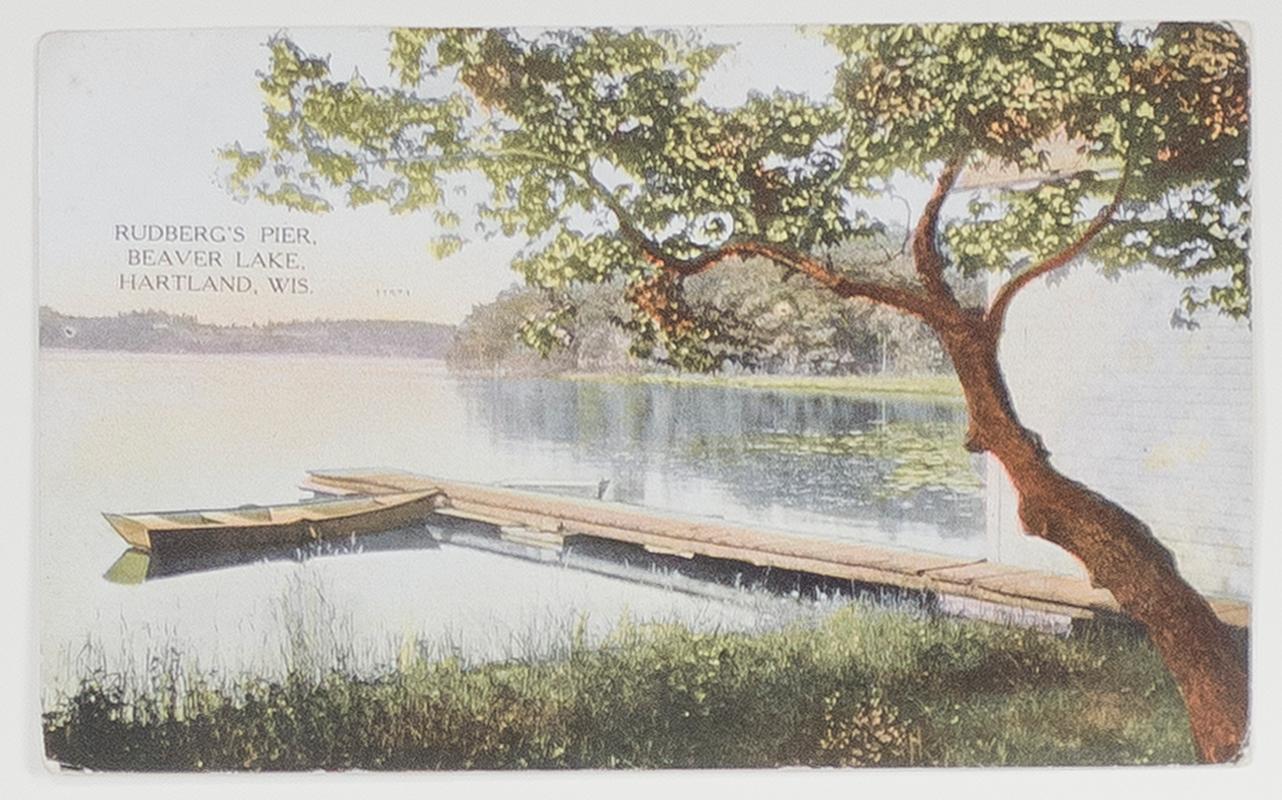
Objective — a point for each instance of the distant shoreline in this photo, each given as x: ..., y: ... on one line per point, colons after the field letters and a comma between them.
x: 73, y: 353
x: 160, y: 332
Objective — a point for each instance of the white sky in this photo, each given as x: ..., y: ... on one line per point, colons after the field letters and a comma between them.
x: 128, y: 127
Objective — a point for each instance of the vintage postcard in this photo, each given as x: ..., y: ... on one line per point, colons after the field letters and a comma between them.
x: 579, y: 398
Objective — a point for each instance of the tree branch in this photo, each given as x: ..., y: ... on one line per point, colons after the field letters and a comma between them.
x: 898, y: 297
x: 926, y: 256
x: 901, y: 298
x: 995, y: 317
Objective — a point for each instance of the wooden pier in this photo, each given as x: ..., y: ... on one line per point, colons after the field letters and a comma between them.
x: 542, y: 520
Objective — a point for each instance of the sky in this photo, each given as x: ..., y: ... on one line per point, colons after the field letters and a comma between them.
x: 129, y: 123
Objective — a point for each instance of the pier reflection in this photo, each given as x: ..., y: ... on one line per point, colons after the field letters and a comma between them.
x: 716, y: 578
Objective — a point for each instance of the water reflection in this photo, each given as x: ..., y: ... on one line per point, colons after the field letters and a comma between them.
x: 137, y: 566
x: 882, y: 464
x: 695, y: 575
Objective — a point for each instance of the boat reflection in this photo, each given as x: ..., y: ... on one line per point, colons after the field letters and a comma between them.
x: 136, y: 566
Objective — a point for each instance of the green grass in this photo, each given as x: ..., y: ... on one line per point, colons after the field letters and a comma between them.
x: 940, y: 387
x: 865, y: 687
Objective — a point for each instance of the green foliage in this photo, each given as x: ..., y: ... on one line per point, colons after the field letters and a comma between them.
x: 444, y: 246
x: 572, y: 258
x: 869, y: 686
x: 546, y: 332
x: 601, y: 154
x: 1166, y: 107
x: 378, y: 144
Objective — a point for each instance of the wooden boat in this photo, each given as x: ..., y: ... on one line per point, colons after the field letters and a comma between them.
x: 291, y: 524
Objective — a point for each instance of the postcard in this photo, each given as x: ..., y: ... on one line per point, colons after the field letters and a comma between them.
x: 668, y: 397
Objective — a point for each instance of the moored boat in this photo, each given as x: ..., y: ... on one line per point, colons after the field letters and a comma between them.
x: 293, y: 523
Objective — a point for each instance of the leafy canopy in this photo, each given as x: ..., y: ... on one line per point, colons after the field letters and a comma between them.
x: 598, y: 151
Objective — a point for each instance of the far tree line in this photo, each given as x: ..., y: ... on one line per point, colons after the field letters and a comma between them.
x: 766, y: 324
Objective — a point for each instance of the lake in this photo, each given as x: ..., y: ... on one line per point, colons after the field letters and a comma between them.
x: 131, y: 432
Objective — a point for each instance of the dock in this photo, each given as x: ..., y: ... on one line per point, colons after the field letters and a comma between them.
x: 550, y: 521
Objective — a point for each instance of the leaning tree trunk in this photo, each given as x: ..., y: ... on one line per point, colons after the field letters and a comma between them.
x: 1118, y: 550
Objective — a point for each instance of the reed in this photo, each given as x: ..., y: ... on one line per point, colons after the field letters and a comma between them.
x: 864, y: 685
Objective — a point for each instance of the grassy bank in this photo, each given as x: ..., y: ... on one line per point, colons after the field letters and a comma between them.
x: 867, y: 687
x: 936, y: 387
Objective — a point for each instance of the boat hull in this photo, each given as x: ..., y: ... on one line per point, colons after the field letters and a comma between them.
x: 296, y: 524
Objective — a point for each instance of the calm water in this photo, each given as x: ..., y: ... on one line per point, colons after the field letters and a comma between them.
x: 138, y: 432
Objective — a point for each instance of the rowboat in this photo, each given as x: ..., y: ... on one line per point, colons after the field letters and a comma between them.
x: 294, y: 523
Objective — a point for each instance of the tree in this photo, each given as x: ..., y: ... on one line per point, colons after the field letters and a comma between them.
x: 489, y: 337
x: 784, y: 325
x: 597, y: 150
